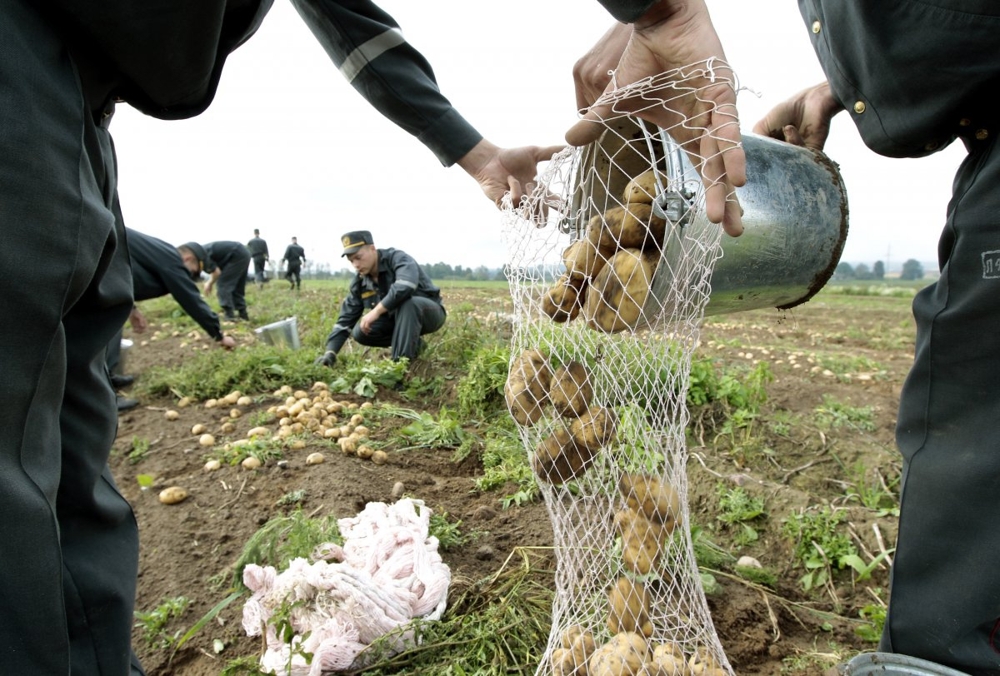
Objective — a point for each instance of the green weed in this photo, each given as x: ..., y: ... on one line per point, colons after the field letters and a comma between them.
x: 833, y: 414
x: 139, y: 449
x: 153, y: 624
x: 480, y: 391
x: 737, y: 509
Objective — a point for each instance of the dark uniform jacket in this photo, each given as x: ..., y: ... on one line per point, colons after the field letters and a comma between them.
x: 399, y: 278
x: 294, y: 254
x: 165, y: 57
x: 942, y: 93
x: 158, y: 270
x: 257, y: 247
x: 221, y: 254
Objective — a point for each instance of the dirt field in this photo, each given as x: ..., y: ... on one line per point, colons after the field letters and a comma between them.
x: 835, y: 354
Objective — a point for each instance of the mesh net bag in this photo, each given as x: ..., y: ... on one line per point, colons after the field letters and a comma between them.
x: 609, y: 290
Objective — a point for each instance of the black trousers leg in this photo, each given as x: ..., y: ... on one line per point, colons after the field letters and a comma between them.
x: 69, y: 540
x: 945, y: 594
x: 401, y: 330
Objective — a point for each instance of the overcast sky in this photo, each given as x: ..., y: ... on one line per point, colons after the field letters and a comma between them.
x: 290, y: 148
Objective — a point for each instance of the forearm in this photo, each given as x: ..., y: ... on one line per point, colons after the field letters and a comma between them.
x: 366, y: 45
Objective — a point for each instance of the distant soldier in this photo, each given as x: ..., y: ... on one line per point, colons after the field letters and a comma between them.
x: 227, y: 263
x: 295, y: 256
x: 259, y: 255
x: 402, y: 303
x: 158, y: 270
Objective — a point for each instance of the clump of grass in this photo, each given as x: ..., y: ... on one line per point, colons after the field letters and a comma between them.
x: 494, y: 627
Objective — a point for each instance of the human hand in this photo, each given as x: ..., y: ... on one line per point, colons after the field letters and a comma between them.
x: 802, y: 120
x: 329, y: 358
x: 138, y: 320
x: 367, y: 321
x: 676, y: 43
x: 592, y: 71
x: 502, y: 170
x: 227, y: 342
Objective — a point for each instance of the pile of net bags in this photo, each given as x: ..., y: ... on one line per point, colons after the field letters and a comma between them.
x: 610, y: 261
x: 318, y: 617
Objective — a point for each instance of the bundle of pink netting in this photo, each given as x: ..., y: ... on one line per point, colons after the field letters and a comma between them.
x: 387, y: 573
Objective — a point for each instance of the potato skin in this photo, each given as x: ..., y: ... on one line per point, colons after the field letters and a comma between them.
x: 618, y: 293
x: 624, y: 655
x: 628, y: 603
x: 642, y: 188
x: 526, y: 389
x: 564, y: 299
x: 633, y: 226
x: 557, y: 459
x: 595, y: 428
x: 583, y: 259
x: 642, y: 541
x: 570, y: 390
x: 576, y: 647
x: 653, y: 498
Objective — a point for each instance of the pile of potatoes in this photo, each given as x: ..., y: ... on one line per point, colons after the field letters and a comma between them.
x: 316, y: 412
x: 610, y: 270
x: 580, y: 428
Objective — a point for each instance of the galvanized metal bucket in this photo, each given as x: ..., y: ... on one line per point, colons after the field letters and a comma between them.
x: 794, y: 216
x: 123, y: 355
x: 281, y: 334
x: 891, y: 664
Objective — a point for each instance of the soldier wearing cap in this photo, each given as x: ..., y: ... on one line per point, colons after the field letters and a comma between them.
x: 401, y: 302
x: 227, y: 263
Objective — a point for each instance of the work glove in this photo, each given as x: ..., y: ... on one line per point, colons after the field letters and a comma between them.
x: 328, y: 359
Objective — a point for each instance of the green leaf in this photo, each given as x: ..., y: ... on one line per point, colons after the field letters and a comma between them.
x: 145, y: 480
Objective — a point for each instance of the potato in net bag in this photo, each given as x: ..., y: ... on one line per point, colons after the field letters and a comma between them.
x: 610, y: 286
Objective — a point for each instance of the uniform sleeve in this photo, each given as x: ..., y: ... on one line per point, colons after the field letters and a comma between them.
x: 350, y: 313
x: 370, y: 51
x: 407, y: 277
x: 179, y: 284
x: 627, y: 11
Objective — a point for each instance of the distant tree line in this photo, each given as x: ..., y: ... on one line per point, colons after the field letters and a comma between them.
x: 912, y: 270
x: 438, y: 271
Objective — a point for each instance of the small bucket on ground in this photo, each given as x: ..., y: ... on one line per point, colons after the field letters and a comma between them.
x: 891, y: 664
x: 281, y: 334
x: 123, y: 354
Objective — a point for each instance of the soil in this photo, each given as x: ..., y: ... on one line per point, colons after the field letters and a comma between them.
x: 864, y: 350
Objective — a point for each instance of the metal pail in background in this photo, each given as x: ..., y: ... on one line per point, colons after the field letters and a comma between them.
x: 123, y: 355
x: 891, y: 664
x: 281, y: 334
x: 794, y: 216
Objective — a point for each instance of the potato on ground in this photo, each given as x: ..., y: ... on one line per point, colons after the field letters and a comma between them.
x: 570, y: 390
x: 595, y: 429
x: 633, y: 226
x: 652, y: 497
x: 564, y: 299
x: 557, y: 459
x: 526, y: 390
x: 628, y: 607
x: 626, y: 654
x: 618, y: 293
x: 642, y: 541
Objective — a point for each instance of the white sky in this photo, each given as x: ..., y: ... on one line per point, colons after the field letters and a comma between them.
x: 290, y: 148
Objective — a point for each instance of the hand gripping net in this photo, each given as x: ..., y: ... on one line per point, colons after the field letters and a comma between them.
x: 609, y: 289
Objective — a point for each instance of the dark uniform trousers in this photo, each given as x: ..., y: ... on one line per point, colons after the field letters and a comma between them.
x: 68, y: 540
x: 402, y: 328
x: 231, y: 286
x: 945, y: 592
x: 258, y: 269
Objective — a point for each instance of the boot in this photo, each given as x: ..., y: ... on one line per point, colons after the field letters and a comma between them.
x: 229, y: 315
x: 244, y: 316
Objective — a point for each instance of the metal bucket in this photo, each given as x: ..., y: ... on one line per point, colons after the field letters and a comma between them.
x: 794, y: 216
x: 891, y: 664
x: 123, y: 354
x: 281, y: 334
